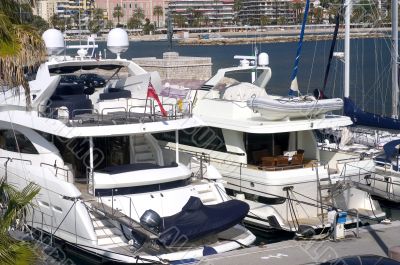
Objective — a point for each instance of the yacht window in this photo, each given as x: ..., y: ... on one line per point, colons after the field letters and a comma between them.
x: 260, y: 145
x: 14, y: 141
x: 205, y: 137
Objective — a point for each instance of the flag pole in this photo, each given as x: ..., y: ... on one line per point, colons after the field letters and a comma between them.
x: 147, y: 95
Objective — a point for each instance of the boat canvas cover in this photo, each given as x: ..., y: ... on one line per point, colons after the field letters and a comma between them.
x: 198, y: 220
x: 360, y: 117
x: 391, y: 149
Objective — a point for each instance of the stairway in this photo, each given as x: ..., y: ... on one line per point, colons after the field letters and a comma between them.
x: 107, y: 233
x: 142, y: 151
x: 206, y: 193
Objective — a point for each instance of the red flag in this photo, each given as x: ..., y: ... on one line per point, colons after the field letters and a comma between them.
x: 151, y: 93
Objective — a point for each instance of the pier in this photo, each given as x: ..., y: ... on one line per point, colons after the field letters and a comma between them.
x: 376, y: 239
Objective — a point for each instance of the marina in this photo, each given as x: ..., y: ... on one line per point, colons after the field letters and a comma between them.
x: 201, y: 154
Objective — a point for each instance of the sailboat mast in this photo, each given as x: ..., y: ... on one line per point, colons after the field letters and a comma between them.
x: 395, y: 55
x: 348, y: 7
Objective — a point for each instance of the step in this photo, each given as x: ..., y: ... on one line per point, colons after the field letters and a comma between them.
x: 107, y: 232
x: 203, y: 188
x: 107, y: 240
x: 325, y: 187
x: 207, y: 197
x: 139, y: 157
x: 325, y: 179
x: 101, y: 224
x: 138, y: 140
x: 139, y: 148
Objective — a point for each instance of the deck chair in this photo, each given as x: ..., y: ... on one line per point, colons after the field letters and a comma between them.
x: 297, y: 160
x: 282, y: 161
x: 268, y: 161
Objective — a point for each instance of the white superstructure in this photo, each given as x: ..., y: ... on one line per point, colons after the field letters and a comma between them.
x: 91, y: 151
x: 274, y: 164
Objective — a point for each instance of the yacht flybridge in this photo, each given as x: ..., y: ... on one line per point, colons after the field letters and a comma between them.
x: 106, y: 188
x: 273, y: 164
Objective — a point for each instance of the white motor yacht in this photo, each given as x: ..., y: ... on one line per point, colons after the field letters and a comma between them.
x: 106, y: 187
x: 274, y: 164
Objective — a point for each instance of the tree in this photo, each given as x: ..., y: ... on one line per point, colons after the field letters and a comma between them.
x: 134, y: 23
x: 158, y: 11
x: 180, y: 20
x: 138, y: 14
x: 282, y: 20
x: 237, y: 8
x: 109, y: 24
x: 148, y: 27
x: 55, y: 21
x: 118, y: 13
x: 264, y: 20
x: 198, y: 17
x: 190, y: 12
x: 21, y: 48
x: 297, y: 7
x: 94, y: 26
x: 17, y: 203
x: 40, y: 24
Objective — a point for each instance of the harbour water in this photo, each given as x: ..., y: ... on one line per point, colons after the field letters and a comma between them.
x: 370, y: 86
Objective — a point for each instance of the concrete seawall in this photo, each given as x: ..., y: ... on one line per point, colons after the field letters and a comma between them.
x: 272, y: 39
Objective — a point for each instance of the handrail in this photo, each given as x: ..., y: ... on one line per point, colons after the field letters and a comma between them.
x: 57, y: 168
x: 10, y: 159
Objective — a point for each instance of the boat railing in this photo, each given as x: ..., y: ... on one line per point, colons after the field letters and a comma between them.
x: 59, y: 171
x: 370, y: 179
x: 132, y: 113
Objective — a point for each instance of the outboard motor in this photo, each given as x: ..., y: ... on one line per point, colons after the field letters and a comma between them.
x: 151, y: 220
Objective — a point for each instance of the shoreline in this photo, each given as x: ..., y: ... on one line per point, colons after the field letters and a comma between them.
x: 273, y: 39
x: 247, y: 37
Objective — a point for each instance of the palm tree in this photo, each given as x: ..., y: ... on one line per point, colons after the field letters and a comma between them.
x: 21, y: 49
x: 180, y: 20
x: 118, y: 13
x: 138, y: 14
x: 298, y: 6
x: 237, y: 7
x: 158, y: 11
x: 17, y: 204
x: 198, y: 16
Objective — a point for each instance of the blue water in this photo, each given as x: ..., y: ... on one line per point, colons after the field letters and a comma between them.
x: 370, y: 66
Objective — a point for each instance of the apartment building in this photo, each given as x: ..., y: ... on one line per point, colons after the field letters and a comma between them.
x: 62, y: 8
x: 209, y: 12
x: 253, y: 10
x: 129, y: 6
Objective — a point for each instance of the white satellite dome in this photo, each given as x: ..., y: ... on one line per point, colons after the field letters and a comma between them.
x: 117, y: 41
x: 54, y: 41
x: 263, y: 59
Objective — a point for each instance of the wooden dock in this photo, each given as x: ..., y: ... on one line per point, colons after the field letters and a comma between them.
x: 375, y: 239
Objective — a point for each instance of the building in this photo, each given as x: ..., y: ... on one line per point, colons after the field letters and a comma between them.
x: 272, y: 10
x: 204, y: 12
x: 129, y: 7
x: 62, y: 8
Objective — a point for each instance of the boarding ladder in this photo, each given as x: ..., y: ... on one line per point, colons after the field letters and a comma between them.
x: 324, y: 192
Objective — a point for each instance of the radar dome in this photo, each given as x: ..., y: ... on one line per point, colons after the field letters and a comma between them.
x: 263, y: 59
x: 54, y: 41
x: 117, y: 41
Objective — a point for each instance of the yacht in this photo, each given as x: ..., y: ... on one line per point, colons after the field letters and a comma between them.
x: 271, y: 161
x: 106, y: 187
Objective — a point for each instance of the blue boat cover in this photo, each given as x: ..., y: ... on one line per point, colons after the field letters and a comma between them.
x: 198, y: 220
x: 390, y: 149
x: 360, y: 117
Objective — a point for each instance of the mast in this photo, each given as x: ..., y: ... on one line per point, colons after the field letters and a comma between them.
x: 395, y: 56
x: 348, y: 7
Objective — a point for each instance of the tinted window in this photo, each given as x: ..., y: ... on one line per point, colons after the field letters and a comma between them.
x: 14, y: 141
x: 205, y: 137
